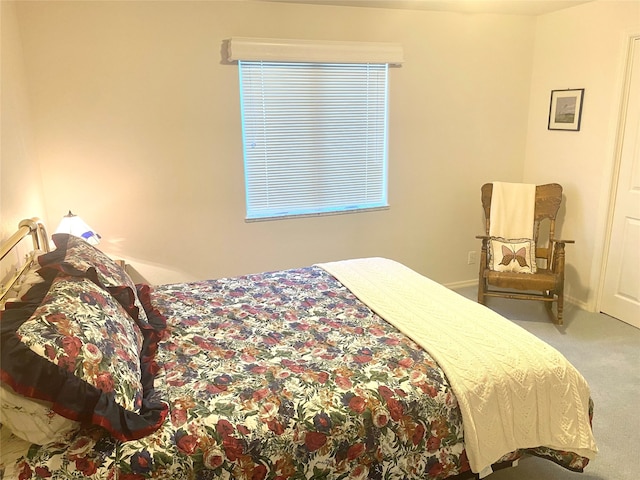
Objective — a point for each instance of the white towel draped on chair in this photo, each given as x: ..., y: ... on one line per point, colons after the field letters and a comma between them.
x: 512, y: 210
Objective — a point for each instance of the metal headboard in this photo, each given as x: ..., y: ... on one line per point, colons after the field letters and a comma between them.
x: 36, y: 229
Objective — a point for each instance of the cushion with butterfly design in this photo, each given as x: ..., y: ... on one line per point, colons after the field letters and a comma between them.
x: 512, y: 255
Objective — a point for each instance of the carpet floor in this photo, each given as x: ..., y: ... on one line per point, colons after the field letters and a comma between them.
x: 607, y: 353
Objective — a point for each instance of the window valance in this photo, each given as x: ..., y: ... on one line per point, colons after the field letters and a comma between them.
x: 325, y: 51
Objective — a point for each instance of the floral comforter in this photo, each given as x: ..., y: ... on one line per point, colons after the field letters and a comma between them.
x: 283, y: 375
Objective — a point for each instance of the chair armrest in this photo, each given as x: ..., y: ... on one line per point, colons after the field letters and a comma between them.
x: 554, y: 240
x: 484, y: 252
x: 485, y: 243
x: 557, y: 260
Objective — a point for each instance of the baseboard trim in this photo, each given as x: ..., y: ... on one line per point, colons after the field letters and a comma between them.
x: 462, y: 284
x: 578, y: 303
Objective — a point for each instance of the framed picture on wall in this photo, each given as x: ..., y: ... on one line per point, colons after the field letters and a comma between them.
x: 565, y: 110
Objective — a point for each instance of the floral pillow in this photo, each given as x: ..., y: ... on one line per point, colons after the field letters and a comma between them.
x: 506, y: 255
x: 74, y: 255
x: 79, y: 350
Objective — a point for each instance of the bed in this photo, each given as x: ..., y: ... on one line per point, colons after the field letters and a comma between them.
x: 351, y: 369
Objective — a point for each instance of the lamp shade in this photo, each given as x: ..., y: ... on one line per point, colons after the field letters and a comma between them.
x: 74, y: 225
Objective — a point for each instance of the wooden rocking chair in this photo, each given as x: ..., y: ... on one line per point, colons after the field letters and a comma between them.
x: 549, y: 276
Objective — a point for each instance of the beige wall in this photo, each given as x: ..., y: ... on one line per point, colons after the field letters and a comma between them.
x: 136, y: 118
x: 137, y: 128
x: 133, y: 120
x: 19, y: 171
x: 20, y: 180
x: 580, y: 47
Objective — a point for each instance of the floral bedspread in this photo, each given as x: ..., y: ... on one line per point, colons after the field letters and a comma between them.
x: 283, y: 375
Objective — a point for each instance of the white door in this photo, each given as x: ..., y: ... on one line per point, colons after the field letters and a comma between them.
x: 621, y: 290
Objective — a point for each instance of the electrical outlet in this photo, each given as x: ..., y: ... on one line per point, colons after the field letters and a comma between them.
x: 472, y: 257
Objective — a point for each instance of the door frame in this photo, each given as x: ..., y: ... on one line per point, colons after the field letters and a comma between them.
x: 623, y: 106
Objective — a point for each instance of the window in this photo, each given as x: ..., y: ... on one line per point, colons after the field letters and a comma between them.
x: 315, y: 137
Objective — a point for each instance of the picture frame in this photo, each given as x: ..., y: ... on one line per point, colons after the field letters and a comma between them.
x: 565, y: 109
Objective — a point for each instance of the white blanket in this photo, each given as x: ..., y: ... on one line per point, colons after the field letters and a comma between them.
x: 512, y: 210
x: 514, y: 390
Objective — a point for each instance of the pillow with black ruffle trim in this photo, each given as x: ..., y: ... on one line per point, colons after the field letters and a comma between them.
x: 74, y: 256
x: 78, y: 349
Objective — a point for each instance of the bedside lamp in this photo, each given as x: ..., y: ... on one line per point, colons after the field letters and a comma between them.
x: 74, y: 225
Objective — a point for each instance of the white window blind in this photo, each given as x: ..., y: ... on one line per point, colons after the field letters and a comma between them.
x: 315, y: 137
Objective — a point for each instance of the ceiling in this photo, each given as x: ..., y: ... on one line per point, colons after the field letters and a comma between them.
x: 508, y: 7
